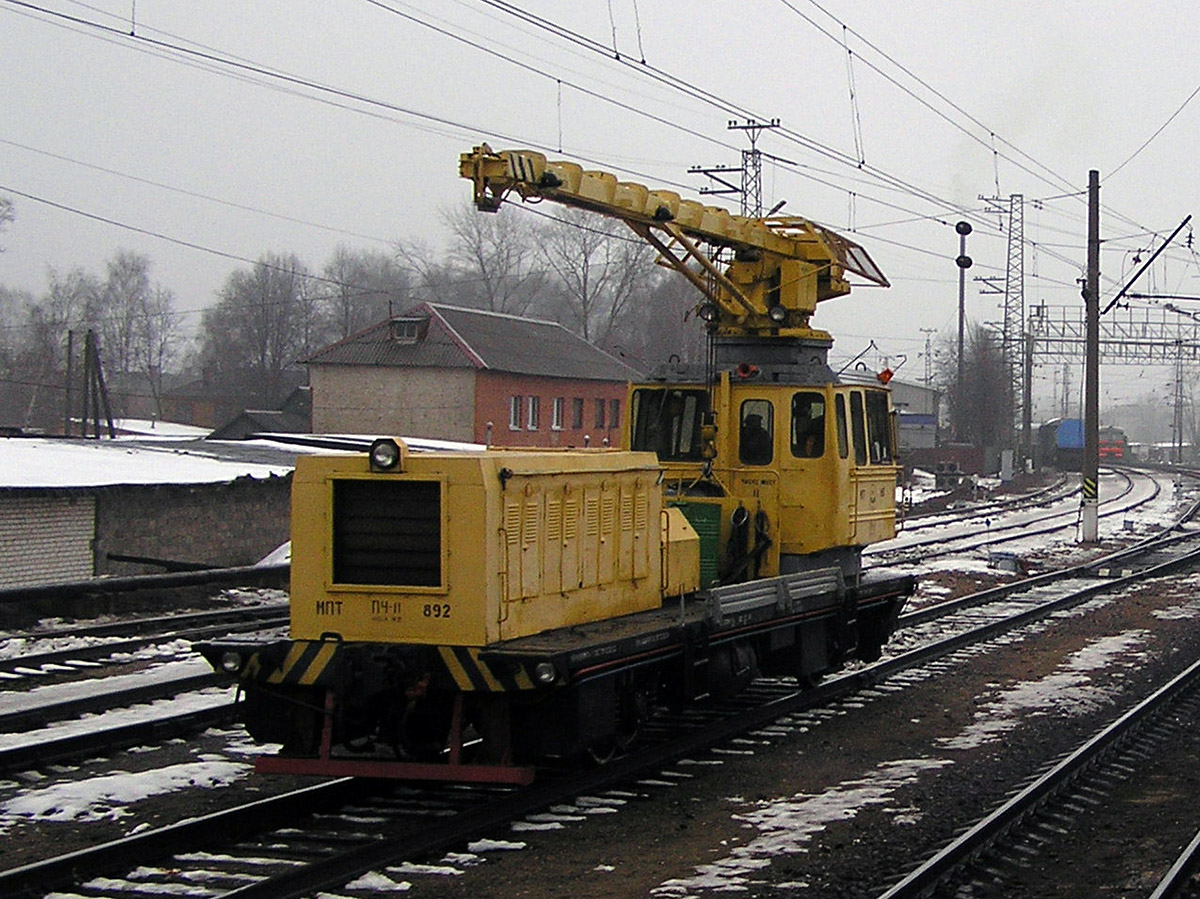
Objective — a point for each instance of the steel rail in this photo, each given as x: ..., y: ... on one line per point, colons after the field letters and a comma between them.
x: 37, y: 878
x: 921, y: 551
x: 334, y: 872
x: 1178, y: 878
x: 100, y: 651
x: 923, y: 879
x: 151, y: 624
x: 1166, y: 537
x: 438, y: 836
x: 35, y: 716
x: 243, y: 574
x: 111, y: 738
x: 1052, y: 493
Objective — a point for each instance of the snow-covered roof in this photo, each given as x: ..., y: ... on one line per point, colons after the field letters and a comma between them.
x: 168, y: 430
x: 44, y: 462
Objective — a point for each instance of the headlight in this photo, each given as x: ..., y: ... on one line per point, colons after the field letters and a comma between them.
x: 385, y: 454
x: 231, y: 662
x: 777, y: 314
x: 545, y: 672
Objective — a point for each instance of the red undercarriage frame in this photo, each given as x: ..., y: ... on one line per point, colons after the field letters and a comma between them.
x: 452, y: 770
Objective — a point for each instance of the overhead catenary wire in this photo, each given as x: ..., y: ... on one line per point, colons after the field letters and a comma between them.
x: 244, y: 66
x: 214, y: 59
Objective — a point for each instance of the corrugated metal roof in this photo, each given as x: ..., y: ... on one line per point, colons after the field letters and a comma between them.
x: 457, y: 337
x: 376, y: 345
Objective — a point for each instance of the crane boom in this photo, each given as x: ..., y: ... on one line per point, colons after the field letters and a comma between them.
x: 761, y: 276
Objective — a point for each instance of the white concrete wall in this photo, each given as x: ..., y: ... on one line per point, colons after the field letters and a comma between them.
x: 437, y: 403
x: 45, y: 539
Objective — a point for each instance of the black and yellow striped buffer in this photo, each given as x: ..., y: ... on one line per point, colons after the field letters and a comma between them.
x: 305, y: 662
x: 472, y: 674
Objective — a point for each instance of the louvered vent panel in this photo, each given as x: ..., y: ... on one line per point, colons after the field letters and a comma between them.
x: 387, y: 532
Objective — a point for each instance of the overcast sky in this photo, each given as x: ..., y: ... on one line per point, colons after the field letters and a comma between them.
x: 177, y: 144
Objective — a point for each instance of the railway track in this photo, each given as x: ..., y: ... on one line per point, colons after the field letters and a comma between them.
x: 992, y: 857
x: 924, y: 642
x: 1019, y: 524
x: 1061, y: 488
x: 85, y: 698
x: 76, y: 647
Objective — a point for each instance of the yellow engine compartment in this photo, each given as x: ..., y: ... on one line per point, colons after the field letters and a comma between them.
x: 468, y: 548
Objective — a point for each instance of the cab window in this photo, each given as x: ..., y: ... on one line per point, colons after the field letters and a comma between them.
x: 840, y: 405
x: 667, y: 422
x: 858, y: 427
x: 808, y: 425
x: 756, y: 440
x: 879, y: 427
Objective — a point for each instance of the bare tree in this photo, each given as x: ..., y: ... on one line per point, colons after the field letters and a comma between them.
x: 266, y: 319
x: 157, y: 341
x: 982, y: 404
x: 600, y: 270
x: 123, y: 300
x: 661, y: 325
x: 7, y: 214
x: 494, y: 259
x: 433, y: 281
x: 367, y: 286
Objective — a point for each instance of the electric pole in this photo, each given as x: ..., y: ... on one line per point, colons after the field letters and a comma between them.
x: 1091, y: 390
x: 963, y: 262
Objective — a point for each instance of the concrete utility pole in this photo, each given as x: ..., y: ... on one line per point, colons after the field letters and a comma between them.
x: 1091, y: 389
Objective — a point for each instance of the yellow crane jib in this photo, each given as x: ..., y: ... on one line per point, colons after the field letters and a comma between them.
x: 760, y: 275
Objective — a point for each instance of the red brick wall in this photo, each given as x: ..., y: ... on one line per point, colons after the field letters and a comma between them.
x: 494, y: 392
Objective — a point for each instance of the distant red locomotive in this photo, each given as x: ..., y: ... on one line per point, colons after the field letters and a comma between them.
x: 1112, y: 444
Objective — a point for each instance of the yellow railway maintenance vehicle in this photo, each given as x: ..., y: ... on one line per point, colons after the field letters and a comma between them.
x: 466, y: 615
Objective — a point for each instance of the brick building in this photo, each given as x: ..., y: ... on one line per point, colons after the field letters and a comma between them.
x: 76, y: 509
x: 452, y: 373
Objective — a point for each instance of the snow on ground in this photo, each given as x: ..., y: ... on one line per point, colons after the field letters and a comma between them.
x: 105, y: 797
x: 69, y: 691
x: 785, y: 825
x: 185, y: 703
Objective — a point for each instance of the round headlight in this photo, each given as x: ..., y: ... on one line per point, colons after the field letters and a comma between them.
x: 545, y: 672
x: 778, y: 314
x: 231, y: 662
x: 385, y: 454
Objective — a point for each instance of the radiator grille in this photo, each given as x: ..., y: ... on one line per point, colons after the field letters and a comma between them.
x: 387, y: 532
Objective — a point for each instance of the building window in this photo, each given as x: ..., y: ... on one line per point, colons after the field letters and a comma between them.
x: 514, y: 413
x: 577, y: 413
x: 534, y: 408
x: 614, y: 413
x: 556, y: 414
x: 407, y: 330
x: 600, y: 413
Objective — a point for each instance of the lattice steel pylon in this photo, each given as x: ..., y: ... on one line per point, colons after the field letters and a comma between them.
x: 1013, y: 333
x: 751, y: 170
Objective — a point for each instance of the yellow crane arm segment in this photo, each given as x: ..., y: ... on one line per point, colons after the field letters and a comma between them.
x: 783, y: 262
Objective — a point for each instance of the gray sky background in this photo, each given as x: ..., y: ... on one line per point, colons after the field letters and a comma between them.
x: 358, y: 143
